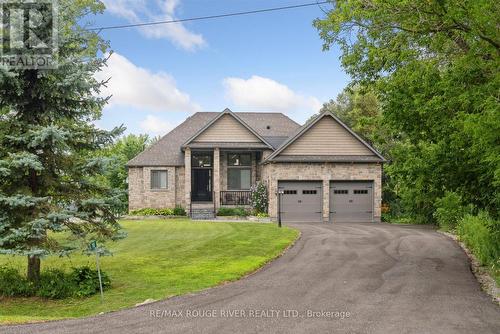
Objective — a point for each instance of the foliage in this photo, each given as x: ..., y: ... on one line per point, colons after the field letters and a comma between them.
x: 159, y: 259
x: 177, y: 211
x: 13, y: 284
x: 53, y: 284
x: 433, y: 66
x: 262, y: 215
x: 449, y: 210
x: 259, y: 197
x: 47, y: 179
x: 481, y: 234
x: 240, y: 212
x: 86, y: 281
x: 119, y: 153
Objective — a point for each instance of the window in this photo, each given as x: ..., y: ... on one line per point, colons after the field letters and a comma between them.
x: 158, y: 179
x: 239, y: 178
x: 239, y: 159
x: 201, y: 160
x: 341, y: 191
x: 309, y: 192
x: 239, y: 171
x: 290, y: 192
x: 360, y: 191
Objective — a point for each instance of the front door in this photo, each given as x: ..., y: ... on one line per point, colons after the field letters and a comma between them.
x: 201, y: 185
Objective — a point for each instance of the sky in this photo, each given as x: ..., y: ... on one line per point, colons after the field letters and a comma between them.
x: 161, y: 74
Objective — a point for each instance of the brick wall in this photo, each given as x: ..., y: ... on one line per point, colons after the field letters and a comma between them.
x: 325, y: 172
x: 142, y: 196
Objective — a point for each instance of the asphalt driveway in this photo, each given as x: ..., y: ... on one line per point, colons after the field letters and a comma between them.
x: 345, y: 278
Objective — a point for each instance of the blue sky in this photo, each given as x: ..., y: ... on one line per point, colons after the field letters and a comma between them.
x: 262, y: 62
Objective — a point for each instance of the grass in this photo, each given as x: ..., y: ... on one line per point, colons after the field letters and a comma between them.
x: 157, y: 260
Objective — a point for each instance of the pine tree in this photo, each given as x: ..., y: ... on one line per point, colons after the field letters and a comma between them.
x: 48, y: 183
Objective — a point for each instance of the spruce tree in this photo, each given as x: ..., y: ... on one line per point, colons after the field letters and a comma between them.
x: 48, y: 182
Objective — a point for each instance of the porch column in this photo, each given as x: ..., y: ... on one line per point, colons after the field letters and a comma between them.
x: 216, y: 185
x: 187, y: 176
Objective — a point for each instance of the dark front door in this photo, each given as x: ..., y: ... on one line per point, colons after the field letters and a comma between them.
x: 201, y: 186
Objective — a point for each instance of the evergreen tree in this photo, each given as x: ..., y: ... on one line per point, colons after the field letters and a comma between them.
x: 47, y: 180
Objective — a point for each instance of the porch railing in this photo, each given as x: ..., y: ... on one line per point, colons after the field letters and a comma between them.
x: 235, y: 197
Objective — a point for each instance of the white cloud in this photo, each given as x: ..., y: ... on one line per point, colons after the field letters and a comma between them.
x: 266, y: 94
x: 138, y: 11
x: 155, y: 125
x: 138, y: 87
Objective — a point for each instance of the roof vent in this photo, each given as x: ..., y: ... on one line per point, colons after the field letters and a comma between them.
x: 268, y: 127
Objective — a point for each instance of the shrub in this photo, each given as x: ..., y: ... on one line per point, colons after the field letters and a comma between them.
x: 449, y: 210
x: 481, y: 234
x: 13, y: 284
x: 86, y: 280
x: 177, y: 211
x: 240, y: 212
x: 54, y: 283
x: 259, y: 198
x: 262, y: 215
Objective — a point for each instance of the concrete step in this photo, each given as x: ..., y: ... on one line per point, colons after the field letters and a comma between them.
x: 200, y: 214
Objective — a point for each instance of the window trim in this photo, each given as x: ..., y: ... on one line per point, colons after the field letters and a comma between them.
x: 151, y: 173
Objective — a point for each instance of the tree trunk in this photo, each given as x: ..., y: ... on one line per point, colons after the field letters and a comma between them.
x: 33, y: 269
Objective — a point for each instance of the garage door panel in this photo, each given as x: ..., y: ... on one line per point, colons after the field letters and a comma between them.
x: 351, y: 201
x: 301, y: 201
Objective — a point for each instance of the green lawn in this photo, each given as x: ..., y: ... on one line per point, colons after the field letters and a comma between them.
x: 158, y: 259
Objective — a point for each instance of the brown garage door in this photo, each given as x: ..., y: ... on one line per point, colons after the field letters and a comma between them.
x: 301, y: 201
x: 351, y: 201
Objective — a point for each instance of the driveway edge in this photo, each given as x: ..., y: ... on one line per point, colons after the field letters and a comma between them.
x: 487, y: 283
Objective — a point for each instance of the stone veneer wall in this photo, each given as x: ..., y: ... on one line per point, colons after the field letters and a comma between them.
x: 325, y: 172
x: 142, y: 196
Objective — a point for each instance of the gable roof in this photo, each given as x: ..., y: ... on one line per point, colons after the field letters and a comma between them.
x: 167, y: 151
x: 222, y: 114
x: 302, y: 130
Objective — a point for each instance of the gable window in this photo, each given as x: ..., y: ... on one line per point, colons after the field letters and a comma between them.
x: 159, y: 179
x: 239, y: 171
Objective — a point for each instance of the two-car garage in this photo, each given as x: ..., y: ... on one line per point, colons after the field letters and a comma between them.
x: 349, y: 201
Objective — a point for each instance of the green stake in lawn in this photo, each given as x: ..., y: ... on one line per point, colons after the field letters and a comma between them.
x: 93, y: 247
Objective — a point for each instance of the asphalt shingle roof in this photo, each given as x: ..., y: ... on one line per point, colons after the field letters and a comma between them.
x: 273, y: 127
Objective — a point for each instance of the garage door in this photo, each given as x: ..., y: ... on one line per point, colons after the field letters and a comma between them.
x: 351, y: 201
x: 301, y: 201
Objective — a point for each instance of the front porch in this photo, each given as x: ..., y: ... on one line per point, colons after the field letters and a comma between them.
x: 220, y: 177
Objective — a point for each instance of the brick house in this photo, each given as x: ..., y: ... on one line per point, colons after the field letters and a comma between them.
x: 319, y: 172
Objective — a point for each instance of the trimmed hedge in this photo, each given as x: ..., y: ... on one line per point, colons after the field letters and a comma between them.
x: 240, y: 212
x: 177, y: 211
